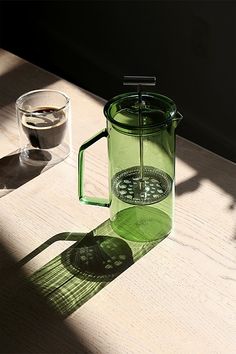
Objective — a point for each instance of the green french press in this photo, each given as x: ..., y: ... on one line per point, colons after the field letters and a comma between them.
x: 140, y: 132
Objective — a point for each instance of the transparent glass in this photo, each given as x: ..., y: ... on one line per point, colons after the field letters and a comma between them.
x: 141, y: 149
x: 44, y: 127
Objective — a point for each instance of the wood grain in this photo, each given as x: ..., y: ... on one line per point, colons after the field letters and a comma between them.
x: 179, y: 298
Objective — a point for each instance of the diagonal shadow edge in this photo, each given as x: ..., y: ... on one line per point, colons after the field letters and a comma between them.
x: 26, y: 317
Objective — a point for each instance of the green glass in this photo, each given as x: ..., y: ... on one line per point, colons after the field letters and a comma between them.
x: 140, y: 135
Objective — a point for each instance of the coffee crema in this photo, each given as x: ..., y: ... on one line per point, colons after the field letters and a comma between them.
x: 45, y: 127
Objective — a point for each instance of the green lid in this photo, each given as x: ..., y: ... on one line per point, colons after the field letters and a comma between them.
x: 155, y: 110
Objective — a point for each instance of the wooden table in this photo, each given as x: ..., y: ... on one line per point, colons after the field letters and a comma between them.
x: 178, y: 298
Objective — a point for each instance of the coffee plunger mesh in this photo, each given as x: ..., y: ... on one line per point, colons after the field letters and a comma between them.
x: 153, y: 187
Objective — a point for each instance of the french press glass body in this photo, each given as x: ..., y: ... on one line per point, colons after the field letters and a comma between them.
x: 140, y: 135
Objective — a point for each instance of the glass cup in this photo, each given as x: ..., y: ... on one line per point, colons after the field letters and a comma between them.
x: 44, y: 127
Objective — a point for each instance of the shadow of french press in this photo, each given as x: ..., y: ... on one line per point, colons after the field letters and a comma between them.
x: 82, y: 270
x: 100, y: 258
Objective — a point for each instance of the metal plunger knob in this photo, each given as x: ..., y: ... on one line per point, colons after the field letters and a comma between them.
x: 139, y: 80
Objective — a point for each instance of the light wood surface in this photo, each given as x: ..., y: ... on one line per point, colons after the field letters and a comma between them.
x: 178, y: 298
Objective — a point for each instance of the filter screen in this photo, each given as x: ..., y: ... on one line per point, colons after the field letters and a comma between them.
x: 128, y: 187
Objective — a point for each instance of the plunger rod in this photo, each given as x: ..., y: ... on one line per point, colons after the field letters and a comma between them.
x: 139, y: 81
x: 140, y: 119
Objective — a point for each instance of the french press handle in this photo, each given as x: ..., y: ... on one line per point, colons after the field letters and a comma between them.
x: 82, y: 197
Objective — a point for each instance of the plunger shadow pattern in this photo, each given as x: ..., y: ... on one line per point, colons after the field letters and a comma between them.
x: 82, y: 270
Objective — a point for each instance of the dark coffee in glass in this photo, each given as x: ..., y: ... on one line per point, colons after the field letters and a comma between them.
x: 45, y: 127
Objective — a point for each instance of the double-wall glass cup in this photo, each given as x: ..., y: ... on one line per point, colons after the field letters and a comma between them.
x: 44, y: 127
